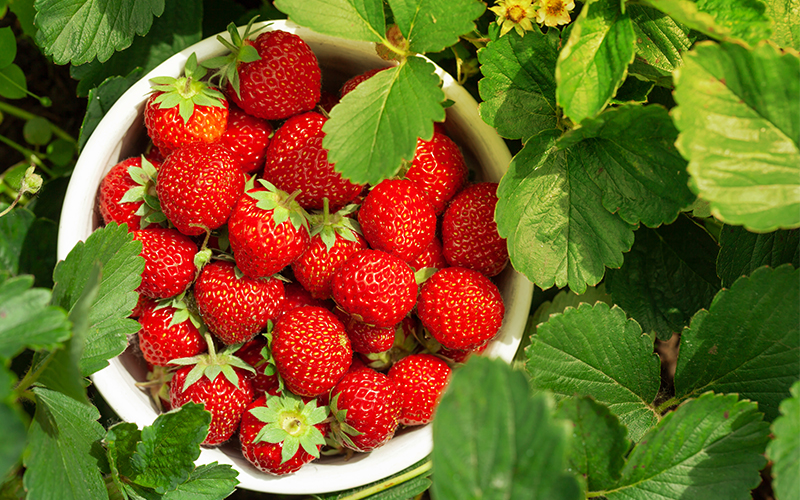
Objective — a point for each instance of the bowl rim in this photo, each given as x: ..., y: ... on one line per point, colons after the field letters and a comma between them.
x: 133, y: 405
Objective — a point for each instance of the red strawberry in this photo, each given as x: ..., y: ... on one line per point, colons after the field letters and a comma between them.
x: 364, y: 338
x: 421, y: 379
x: 184, y: 110
x: 404, y: 343
x: 256, y: 353
x: 460, y: 355
x: 169, y: 331
x: 327, y: 101
x: 431, y: 257
x: 168, y: 262
x: 268, y: 230
x: 352, y: 83
x: 297, y: 296
x: 469, y: 232
x: 217, y: 381
x: 124, y: 191
x: 366, y: 406
x: 281, y: 434
x: 375, y: 287
x: 198, y: 186
x: 234, y: 307
x: 311, y: 350
x: 460, y: 307
x: 142, y: 304
x: 248, y: 138
x: 438, y: 169
x: 296, y: 160
x: 397, y: 218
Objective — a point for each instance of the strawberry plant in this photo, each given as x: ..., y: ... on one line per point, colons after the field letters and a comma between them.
x: 652, y: 199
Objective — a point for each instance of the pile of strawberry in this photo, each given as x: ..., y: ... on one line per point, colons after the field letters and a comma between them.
x: 306, y: 312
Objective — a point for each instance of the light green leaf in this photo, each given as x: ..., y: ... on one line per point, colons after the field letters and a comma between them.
x: 489, y: 435
x: 784, y: 449
x: 12, y: 82
x: 708, y: 448
x: 785, y: 15
x: 519, y: 84
x: 551, y: 213
x: 12, y: 432
x: 376, y: 126
x: 596, y: 351
x: 101, y: 99
x: 742, y: 252
x: 64, y: 455
x: 668, y: 276
x: 77, y: 31
x: 207, y: 482
x: 594, y: 61
x: 660, y: 40
x: 433, y: 25
x: 351, y: 19
x: 742, y: 143
x: 748, y: 342
x: 719, y: 19
x: 109, y: 326
x: 8, y: 46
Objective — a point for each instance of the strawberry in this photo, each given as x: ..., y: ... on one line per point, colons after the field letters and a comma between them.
x: 248, y: 138
x: 460, y: 356
x: 217, y: 381
x: 460, y: 307
x: 268, y: 230
x: 168, y: 262
x: 404, y: 343
x: 273, y: 77
x: 235, y: 307
x: 169, y: 331
x: 438, y: 169
x: 198, y: 186
x: 281, y: 434
x: 469, y: 231
x: 431, y: 257
x: 364, y: 338
x: 184, y: 110
x: 256, y: 353
x: 353, y: 82
x: 298, y: 296
x: 366, y: 406
x: 127, y: 194
x: 334, y: 238
x: 142, y: 304
x: 296, y: 160
x: 311, y: 350
x: 421, y: 379
x: 397, y: 218
x: 375, y: 287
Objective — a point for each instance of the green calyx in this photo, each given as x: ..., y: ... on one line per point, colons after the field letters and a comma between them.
x: 182, y: 311
x: 212, y: 364
x: 240, y: 52
x: 339, y: 427
x: 328, y: 225
x: 145, y: 191
x: 292, y: 422
x: 284, y: 206
x: 187, y: 91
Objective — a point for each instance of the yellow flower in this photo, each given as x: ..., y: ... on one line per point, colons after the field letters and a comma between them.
x: 554, y: 12
x: 515, y: 14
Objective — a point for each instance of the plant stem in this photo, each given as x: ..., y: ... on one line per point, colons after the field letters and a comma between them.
x: 31, y: 156
x: 25, y: 115
x: 666, y: 404
x: 33, y: 375
x: 391, y: 482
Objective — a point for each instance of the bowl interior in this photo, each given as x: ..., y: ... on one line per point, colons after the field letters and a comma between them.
x: 121, y: 134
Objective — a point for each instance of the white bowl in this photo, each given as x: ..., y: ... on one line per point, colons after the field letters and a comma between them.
x: 121, y: 134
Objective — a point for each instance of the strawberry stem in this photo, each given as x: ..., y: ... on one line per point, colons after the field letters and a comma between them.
x: 212, y: 353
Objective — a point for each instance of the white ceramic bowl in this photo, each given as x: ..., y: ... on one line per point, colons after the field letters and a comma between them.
x: 121, y: 134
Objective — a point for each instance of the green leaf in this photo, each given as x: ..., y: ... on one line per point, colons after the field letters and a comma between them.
x: 100, y: 101
x: 121, y: 440
x: 37, y: 131
x: 365, y: 139
x: 708, y: 448
x: 596, y: 351
x: 109, y: 326
x: 25, y: 12
x: 12, y: 82
x: 594, y: 61
x: 785, y: 16
x: 207, y: 482
x: 784, y: 449
x: 61, y: 152
x: 742, y: 252
x: 165, y: 456
x: 598, y: 445
x: 742, y: 145
x: 177, y: 28
x: 8, y: 47
x: 660, y: 40
x: 14, y: 228
x: 667, y: 277
x: 12, y: 432
x: 551, y: 213
x: 489, y: 434
x: 633, y: 90
x: 720, y: 19
x: 519, y: 84
x: 351, y: 19
x: 27, y: 319
x: 748, y: 342
x: 64, y: 454
x: 629, y: 153
x: 433, y: 25
x: 77, y: 31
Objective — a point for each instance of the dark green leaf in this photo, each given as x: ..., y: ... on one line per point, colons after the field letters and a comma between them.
x: 61, y: 152
x: 12, y: 82
x: 748, y: 342
x: 109, y: 326
x: 742, y: 252
x: 351, y: 19
x: 14, y: 228
x: 100, y: 101
x: 64, y: 454
x: 433, y: 25
x: 594, y: 61
x: 742, y: 145
x: 376, y: 126
x: 12, y: 432
x: 37, y: 131
x: 402, y: 491
x: 489, y: 435
x: 660, y: 40
x: 519, y: 84
x: 38, y: 253
x: 121, y: 441
x: 25, y: 12
x: 785, y: 16
x: 719, y: 19
x: 551, y: 213
x: 667, y: 277
x: 207, y: 482
x: 633, y: 90
x: 8, y: 46
x: 596, y: 351
x: 784, y: 449
x: 77, y: 31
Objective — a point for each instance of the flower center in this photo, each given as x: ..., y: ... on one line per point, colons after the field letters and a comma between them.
x: 554, y: 7
x: 516, y: 13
